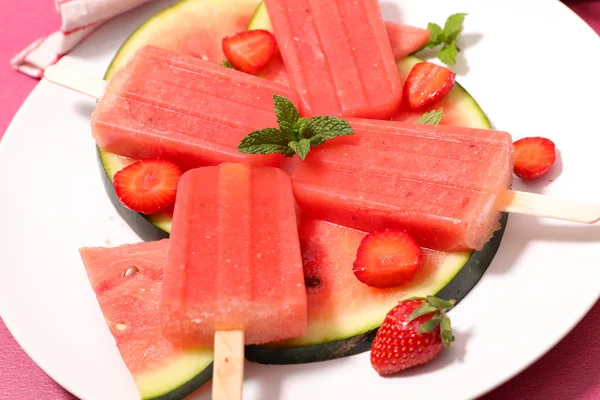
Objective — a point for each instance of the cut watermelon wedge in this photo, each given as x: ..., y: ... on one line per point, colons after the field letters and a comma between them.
x: 127, y: 282
x: 343, y: 313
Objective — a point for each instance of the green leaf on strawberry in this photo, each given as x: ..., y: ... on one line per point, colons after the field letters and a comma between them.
x: 439, y: 303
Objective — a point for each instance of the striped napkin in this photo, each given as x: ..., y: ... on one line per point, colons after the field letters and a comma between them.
x: 79, y: 19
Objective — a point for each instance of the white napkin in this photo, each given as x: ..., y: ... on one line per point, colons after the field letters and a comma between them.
x: 79, y: 19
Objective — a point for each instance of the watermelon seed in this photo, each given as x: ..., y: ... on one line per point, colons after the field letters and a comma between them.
x: 131, y: 270
x: 311, y: 281
x: 120, y: 327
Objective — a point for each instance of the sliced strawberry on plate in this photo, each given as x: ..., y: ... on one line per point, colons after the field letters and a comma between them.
x: 533, y: 157
x: 427, y: 83
x: 147, y: 186
x: 249, y: 51
x: 387, y: 258
x: 413, y: 333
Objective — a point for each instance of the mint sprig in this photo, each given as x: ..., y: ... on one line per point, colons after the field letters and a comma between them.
x: 432, y: 117
x: 295, y: 135
x: 446, y: 37
x: 227, y: 64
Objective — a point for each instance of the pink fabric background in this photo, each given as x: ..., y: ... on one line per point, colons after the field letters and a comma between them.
x: 569, y: 371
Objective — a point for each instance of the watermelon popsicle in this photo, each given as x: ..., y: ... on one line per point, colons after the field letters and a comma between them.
x: 439, y: 183
x: 165, y: 105
x: 234, y: 260
x: 338, y: 57
x: 234, y: 270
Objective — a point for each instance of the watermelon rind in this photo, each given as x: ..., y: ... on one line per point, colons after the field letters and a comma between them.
x: 178, y: 379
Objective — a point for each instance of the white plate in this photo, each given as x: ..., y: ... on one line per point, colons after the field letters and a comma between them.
x: 532, y: 65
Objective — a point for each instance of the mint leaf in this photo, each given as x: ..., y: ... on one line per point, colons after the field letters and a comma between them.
x: 436, y: 36
x: 226, y: 64
x: 296, y: 135
x: 300, y: 125
x: 448, y: 54
x: 431, y: 118
x: 446, y: 37
x: 266, y: 141
x: 288, y: 130
x: 328, y: 127
x: 301, y: 147
x: 287, y: 116
x: 453, y: 27
x: 319, y: 129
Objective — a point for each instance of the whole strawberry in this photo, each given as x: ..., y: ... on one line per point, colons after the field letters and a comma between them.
x: 413, y: 333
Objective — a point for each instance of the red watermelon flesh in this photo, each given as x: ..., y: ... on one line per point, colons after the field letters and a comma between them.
x: 275, y: 70
x: 127, y: 282
x: 404, y: 40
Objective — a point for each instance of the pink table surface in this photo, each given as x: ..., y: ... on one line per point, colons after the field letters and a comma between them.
x: 568, y: 371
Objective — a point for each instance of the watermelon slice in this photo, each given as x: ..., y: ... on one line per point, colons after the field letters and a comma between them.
x: 127, y: 282
x: 343, y: 313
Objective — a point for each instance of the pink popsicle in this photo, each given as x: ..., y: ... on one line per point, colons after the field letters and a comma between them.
x: 234, y: 259
x: 438, y: 183
x: 181, y: 108
x: 338, y: 56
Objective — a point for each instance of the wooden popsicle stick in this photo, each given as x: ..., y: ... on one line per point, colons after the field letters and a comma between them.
x: 509, y: 200
x: 65, y: 77
x: 540, y: 205
x: 228, y: 367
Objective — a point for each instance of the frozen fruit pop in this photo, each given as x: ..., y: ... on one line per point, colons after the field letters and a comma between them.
x: 438, y: 183
x: 338, y: 57
x: 234, y: 259
x: 165, y: 105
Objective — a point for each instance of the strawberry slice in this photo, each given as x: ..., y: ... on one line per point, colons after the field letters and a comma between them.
x: 387, y: 258
x: 533, y: 157
x: 427, y: 83
x: 147, y: 186
x: 249, y: 51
